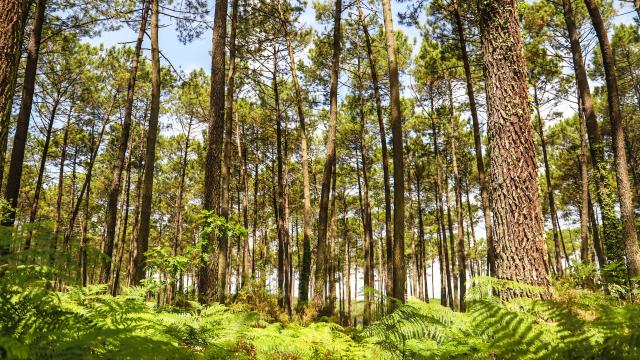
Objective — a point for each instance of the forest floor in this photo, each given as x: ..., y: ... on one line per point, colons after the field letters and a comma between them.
x: 78, y: 323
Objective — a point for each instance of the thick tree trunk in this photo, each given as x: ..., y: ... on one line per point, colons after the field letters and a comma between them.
x: 321, y: 257
x: 116, y: 178
x: 139, y: 262
x: 625, y: 195
x: 399, y: 272
x: 15, y: 14
x: 215, y: 135
x: 12, y: 191
x: 477, y: 138
x: 517, y: 229
x: 383, y: 149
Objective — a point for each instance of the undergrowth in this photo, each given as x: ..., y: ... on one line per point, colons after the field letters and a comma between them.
x: 78, y: 323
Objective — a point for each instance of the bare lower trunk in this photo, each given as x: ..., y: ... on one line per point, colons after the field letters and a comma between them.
x: 399, y: 272
x: 625, y: 195
x: 547, y: 173
x: 123, y: 140
x: 602, y: 185
x: 477, y: 138
x: 383, y: 149
x: 514, y: 187
x: 321, y: 256
x: 139, y: 262
x: 211, y: 201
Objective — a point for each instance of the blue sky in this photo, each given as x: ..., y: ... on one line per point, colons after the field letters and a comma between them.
x: 196, y: 54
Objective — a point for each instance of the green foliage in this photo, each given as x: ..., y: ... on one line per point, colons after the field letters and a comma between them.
x: 577, y: 324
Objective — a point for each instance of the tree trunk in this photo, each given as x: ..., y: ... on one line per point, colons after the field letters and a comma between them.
x: 625, y: 194
x: 124, y: 221
x: 323, y: 218
x: 303, y: 288
x: 383, y: 149
x: 211, y: 200
x: 585, y: 249
x: 460, y: 250
x: 139, y: 262
x: 242, y: 154
x: 123, y: 140
x: 596, y: 146
x: 43, y: 163
x: 63, y: 158
x: 547, y: 173
x: 95, y: 146
x: 477, y: 138
x: 12, y: 191
x: 517, y: 229
x: 399, y: 272
x: 223, y: 240
x: 446, y: 298
x: 14, y: 17
x: 366, y: 223
x: 331, y: 265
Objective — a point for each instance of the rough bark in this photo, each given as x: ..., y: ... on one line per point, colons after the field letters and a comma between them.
x: 12, y: 191
x: 14, y: 17
x: 517, y: 228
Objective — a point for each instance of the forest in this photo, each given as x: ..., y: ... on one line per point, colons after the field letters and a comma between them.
x: 326, y: 179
